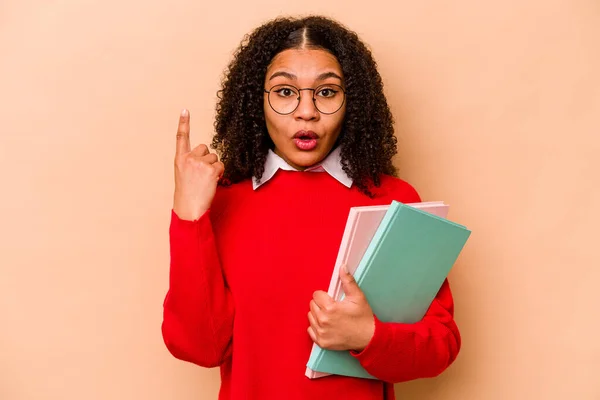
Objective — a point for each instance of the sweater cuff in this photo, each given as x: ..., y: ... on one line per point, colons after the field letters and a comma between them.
x: 379, y: 346
x: 179, y: 223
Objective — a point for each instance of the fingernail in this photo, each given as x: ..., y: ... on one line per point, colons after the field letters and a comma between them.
x: 184, y: 113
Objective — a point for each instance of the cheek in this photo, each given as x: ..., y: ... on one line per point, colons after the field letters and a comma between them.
x: 269, y: 117
x: 275, y: 124
x: 336, y: 123
x: 342, y: 116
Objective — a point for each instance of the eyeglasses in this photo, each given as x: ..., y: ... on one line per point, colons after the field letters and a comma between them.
x: 328, y: 98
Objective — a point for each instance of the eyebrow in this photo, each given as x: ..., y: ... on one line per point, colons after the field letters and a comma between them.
x: 330, y: 74
x: 293, y: 77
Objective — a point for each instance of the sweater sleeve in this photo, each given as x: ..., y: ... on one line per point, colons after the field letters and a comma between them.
x: 401, y: 352
x: 198, y: 307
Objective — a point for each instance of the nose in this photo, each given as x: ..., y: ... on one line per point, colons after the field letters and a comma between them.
x: 306, y: 109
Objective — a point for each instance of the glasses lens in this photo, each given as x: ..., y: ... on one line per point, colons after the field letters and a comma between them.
x: 284, y: 98
x: 329, y: 98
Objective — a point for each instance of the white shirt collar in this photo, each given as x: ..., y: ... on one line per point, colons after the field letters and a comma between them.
x: 331, y: 164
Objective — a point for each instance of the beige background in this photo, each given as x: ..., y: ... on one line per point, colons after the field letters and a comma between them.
x: 498, y: 111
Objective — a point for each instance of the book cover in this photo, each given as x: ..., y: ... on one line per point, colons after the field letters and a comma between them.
x: 400, y: 271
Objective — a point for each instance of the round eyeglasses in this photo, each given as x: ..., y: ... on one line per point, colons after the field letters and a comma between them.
x: 328, y: 98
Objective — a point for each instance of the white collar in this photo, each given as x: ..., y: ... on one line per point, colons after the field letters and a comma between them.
x: 331, y: 164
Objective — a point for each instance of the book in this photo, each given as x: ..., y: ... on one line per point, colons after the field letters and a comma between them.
x: 400, y: 255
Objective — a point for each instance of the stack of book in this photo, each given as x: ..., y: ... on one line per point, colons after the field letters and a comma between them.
x: 399, y: 254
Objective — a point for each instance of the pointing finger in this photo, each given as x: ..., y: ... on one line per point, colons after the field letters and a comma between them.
x: 183, y: 133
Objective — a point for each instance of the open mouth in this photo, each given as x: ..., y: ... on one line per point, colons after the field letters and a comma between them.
x: 305, y: 135
x: 305, y: 140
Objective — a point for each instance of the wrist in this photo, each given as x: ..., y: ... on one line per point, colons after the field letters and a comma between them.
x: 366, y: 336
x: 188, y: 215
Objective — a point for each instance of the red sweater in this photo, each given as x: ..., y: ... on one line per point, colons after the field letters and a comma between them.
x: 242, y: 277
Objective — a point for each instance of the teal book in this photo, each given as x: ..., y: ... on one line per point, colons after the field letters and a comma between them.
x: 403, y: 267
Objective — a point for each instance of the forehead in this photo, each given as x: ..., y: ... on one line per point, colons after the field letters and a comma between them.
x: 304, y: 63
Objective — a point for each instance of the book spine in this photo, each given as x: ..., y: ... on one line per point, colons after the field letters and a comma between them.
x: 367, y: 259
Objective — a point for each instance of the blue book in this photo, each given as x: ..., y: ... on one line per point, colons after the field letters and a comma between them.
x: 400, y: 273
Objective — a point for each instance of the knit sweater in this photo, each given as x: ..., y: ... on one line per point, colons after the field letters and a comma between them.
x: 242, y: 277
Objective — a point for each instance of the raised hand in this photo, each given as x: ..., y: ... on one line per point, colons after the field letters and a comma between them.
x: 197, y: 173
x: 345, y: 325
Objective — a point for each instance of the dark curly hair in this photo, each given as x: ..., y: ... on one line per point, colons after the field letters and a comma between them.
x: 367, y: 142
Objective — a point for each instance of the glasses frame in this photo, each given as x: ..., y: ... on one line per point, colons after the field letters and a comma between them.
x: 299, y: 99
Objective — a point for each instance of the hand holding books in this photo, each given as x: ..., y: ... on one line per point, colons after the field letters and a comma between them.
x: 342, y: 325
x: 399, y: 255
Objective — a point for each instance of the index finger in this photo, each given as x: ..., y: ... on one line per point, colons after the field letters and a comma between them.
x: 322, y: 299
x: 183, y: 133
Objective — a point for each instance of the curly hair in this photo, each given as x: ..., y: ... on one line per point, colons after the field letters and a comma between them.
x: 367, y: 142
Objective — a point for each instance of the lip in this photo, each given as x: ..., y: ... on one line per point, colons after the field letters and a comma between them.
x: 305, y: 134
x: 305, y: 140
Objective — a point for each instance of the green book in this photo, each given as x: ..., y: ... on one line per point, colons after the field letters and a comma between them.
x: 401, y: 272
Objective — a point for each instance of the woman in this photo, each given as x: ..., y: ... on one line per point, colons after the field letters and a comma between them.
x: 304, y: 133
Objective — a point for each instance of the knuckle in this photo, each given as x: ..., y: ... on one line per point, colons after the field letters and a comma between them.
x: 313, y: 306
x: 204, y: 167
x: 211, y: 158
x: 212, y: 171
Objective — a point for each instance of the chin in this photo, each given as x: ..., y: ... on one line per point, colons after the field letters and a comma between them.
x: 306, y: 159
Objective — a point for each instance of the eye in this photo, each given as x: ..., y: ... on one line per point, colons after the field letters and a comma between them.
x: 327, y: 92
x: 286, y: 92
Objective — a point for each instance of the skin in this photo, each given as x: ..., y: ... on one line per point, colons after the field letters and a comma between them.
x: 303, y: 68
x: 344, y: 325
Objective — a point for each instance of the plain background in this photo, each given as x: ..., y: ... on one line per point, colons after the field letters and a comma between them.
x: 497, y: 106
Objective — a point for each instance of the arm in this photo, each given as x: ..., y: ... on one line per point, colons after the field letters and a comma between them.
x: 400, y: 352
x: 391, y: 352
x: 198, y: 308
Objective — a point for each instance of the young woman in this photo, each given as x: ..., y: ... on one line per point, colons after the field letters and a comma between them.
x: 304, y: 132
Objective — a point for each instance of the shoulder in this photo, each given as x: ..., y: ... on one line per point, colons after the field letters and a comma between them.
x: 392, y: 188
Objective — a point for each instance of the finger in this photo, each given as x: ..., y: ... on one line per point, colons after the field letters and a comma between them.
x: 313, y: 321
x: 210, y: 158
x: 183, y: 133
x: 316, y: 313
x: 201, y: 150
x: 323, y: 300
x: 220, y: 168
x: 349, y: 284
x: 312, y: 334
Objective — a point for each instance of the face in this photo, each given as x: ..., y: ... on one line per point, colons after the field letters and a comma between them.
x: 305, y: 136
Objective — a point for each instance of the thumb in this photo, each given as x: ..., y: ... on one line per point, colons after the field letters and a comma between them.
x: 349, y: 284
